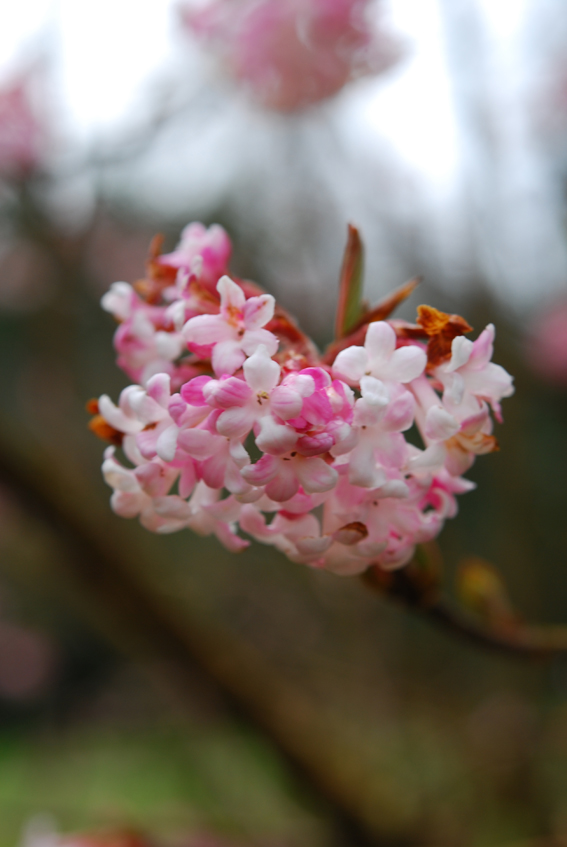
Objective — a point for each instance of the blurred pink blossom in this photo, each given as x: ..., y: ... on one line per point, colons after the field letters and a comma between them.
x: 21, y: 133
x: 292, y: 53
x: 547, y: 344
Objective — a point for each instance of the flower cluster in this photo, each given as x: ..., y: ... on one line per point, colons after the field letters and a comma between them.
x: 292, y: 53
x: 238, y: 427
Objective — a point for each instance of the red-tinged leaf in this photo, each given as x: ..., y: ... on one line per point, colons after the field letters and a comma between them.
x: 350, y: 285
x: 385, y: 307
x: 379, y: 312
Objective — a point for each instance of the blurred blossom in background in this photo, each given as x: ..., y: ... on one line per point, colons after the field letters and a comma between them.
x: 442, y: 140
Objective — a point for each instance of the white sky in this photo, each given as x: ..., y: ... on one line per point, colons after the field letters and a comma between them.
x: 106, y: 51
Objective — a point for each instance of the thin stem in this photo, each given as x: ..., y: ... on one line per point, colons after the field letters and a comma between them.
x: 413, y: 588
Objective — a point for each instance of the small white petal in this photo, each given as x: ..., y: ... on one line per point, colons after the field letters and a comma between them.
x: 440, y: 424
x: 260, y: 370
x: 461, y: 350
x: 351, y: 364
x: 167, y: 443
x: 380, y: 343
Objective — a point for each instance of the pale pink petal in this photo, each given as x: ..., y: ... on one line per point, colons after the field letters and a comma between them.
x: 264, y: 470
x: 226, y: 393
x: 144, y: 407
x: 232, y: 542
x: 317, y: 409
x: 380, y: 343
x: 155, y: 478
x: 319, y: 376
x: 172, y: 507
x: 275, y: 438
x: 253, y: 522
x: 393, y: 488
x: 260, y: 370
x: 285, y: 402
x: 483, y: 348
x: 284, y: 485
x: 128, y: 504
x: 159, y: 389
x: 461, y: 349
x: 258, y: 311
x: 238, y: 453
x: 362, y: 467
x: 236, y: 422
x: 234, y: 480
x: 232, y: 296
x: 207, y: 329
x: 405, y: 364
x: 313, y: 546
x: 198, y: 443
x: 213, y: 470
x: 440, y: 424
x: 314, y: 445
x: 192, y: 392
x: 492, y: 382
x: 169, y: 345
x: 454, y: 389
x: 167, y: 443
x: 345, y: 445
x: 116, y: 417
x: 315, y: 475
x: 119, y: 477
x: 227, y: 357
x: 303, y: 383
x: 351, y: 364
x: 374, y: 392
x: 187, y: 479
x: 119, y: 300
x: 400, y: 413
x: 252, y: 339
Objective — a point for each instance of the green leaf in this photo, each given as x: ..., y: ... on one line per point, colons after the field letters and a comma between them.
x: 349, y: 307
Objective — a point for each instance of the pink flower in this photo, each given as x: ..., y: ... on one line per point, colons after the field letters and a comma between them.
x: 380, y: 358
x: 292, y: 53
x: 236, y: 332
x: 470, y: 373
x: 201, y: 252
x: 546, y: 348
x: 267, y: 436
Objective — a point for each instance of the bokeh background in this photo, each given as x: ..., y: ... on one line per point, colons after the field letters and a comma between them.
x: 159, y: 690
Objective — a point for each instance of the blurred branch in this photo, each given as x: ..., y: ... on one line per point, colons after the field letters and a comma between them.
x: 417, y: 587
x: 102, y: 573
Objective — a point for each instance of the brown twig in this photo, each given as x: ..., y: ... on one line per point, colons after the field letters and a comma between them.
x: 416, y: 589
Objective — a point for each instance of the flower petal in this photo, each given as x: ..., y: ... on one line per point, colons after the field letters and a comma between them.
x: 440, y: 424
x: 351, y: 364
x: 315, y: 475
x: 227, y: 357
x: 260, y: 370
x: 232, y: 296
x: 264, y: 470
x: 258, y: 311
x: 380, y: 343
x: 207, y: 329
x: 406, y: 363
x: 275, y: 438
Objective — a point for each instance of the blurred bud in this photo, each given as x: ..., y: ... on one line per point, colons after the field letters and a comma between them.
x: 482, y: 590
x: 292, y: 53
